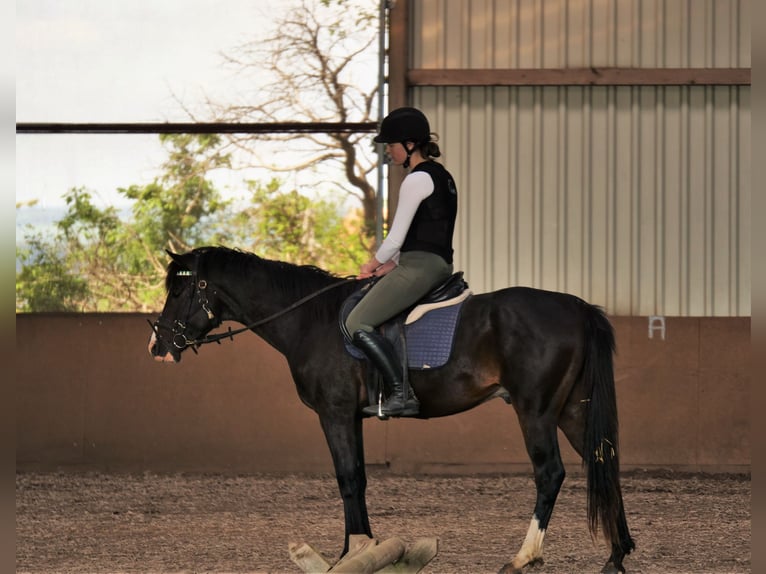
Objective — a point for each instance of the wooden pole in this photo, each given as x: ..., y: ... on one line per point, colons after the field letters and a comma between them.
x: 372, y: 559
x: 307, y: 559
x: 366, y: 556
x: 415, y: 558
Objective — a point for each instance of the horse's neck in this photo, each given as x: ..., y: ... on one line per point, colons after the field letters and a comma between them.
x: 251, y: 304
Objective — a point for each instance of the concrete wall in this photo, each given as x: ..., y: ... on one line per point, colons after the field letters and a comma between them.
x: 88, y: 396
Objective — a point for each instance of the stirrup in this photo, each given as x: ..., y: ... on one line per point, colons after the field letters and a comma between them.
x: 377, y: 409
x: 406, y: 408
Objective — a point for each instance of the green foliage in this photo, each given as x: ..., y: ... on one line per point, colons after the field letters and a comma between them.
x: 175, y: 211
x: 292, y: 227
x: 45, y: 283
x: 97, y: 261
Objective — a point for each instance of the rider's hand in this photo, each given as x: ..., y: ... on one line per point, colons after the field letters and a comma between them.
x: 369, y: 269
x: 385, y: 268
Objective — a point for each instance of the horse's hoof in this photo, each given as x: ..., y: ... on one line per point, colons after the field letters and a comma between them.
x: 610, y: 568
x: 511, y: 569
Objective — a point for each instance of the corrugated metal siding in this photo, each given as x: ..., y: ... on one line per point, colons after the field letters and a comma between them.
x: 635, y: 198
x: 580, y: 33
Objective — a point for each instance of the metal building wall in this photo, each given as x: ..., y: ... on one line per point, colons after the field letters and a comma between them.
x: 636, y: 198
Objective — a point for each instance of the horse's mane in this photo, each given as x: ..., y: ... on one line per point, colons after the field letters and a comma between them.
x: 290, y: 280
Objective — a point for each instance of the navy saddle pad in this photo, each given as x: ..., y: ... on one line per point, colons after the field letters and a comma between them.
x: 429, y: 327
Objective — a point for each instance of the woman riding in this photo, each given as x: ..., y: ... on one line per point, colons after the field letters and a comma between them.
x: 415, y: 256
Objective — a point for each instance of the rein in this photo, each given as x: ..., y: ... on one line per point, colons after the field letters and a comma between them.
x: 217, y: 337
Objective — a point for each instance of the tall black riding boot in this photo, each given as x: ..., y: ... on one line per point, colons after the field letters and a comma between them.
x: 402, y: 402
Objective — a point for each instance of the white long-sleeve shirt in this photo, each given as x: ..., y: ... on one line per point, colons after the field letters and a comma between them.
x: 414, y: 189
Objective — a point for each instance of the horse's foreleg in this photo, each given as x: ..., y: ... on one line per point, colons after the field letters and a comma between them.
x: 542, y: 446
x: 347, y: 448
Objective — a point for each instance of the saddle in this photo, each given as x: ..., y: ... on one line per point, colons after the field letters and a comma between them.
x: 423, y: 333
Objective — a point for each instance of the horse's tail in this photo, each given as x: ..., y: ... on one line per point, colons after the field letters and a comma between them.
x: 601, y: 448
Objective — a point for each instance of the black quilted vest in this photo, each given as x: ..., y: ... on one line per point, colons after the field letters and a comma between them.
x: 434, y: 222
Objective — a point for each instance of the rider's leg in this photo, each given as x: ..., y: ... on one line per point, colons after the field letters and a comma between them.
x: 417, y: 273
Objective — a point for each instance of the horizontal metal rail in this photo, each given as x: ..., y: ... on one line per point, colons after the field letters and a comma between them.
x: 193, y: 127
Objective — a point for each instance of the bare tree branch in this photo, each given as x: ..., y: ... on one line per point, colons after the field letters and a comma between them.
x: 313, y: 68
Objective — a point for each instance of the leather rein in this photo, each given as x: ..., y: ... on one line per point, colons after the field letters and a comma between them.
x: 178, y: 327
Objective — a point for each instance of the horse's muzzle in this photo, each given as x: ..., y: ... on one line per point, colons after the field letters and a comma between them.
x: 154, y: 351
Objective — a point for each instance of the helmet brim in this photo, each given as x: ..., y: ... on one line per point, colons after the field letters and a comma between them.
x: 380, y: 138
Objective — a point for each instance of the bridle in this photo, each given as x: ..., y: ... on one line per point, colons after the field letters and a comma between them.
x: 178, y: 328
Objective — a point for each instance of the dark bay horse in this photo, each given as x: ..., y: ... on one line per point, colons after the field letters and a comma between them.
x: 548, y: 354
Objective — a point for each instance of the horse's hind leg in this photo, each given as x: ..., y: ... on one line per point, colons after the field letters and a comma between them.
x: 572, y: 420
x: 542, y: 445
x: 572, y: 423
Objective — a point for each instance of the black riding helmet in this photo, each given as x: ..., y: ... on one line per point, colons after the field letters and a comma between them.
x: 404, y: 125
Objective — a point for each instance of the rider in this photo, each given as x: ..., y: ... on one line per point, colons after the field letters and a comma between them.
x: 415, y: 256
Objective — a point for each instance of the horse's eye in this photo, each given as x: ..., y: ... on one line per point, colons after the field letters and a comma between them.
x: 179, y: 288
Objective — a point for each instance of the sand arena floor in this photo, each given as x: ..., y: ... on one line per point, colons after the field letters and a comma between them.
x: 98, y: 523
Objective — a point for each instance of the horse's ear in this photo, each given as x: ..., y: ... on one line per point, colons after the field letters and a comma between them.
x: 182, y: 261
x: 175, y: 256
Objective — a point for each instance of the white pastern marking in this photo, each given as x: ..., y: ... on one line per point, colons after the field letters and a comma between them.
x: 532, y: 549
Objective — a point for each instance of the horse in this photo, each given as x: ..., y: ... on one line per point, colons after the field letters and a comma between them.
x: 549, y: 354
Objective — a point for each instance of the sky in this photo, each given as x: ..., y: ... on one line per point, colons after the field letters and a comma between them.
x: 118, y: 61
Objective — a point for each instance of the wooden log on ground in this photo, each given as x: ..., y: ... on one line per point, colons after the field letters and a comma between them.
x: 366, y: 556
x: 372, y: 558
x: 308, y: 559
x: 415, y: 557
x: 357, y: 544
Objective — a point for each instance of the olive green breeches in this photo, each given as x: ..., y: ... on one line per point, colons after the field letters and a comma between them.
x: 417, y: 273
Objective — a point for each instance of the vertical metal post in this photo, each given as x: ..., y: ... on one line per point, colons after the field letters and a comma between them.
x: 381, y: 108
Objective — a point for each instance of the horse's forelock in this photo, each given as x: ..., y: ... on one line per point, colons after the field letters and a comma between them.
x: 181, y: 266
x: 172, y: 273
